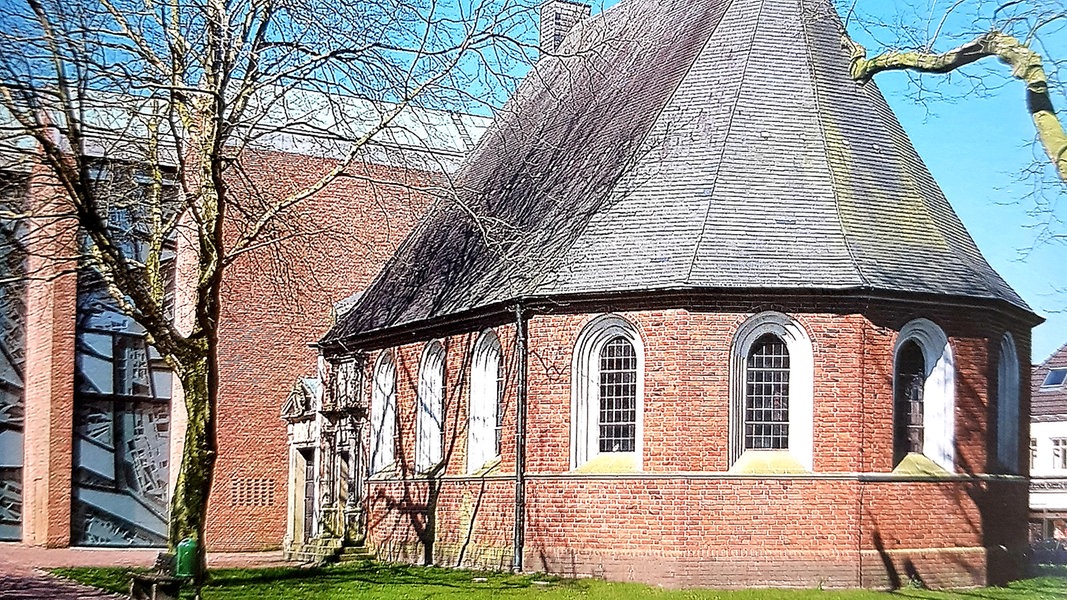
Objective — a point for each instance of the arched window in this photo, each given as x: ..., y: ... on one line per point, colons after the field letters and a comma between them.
x: 430, y: 420
x: 924, y: 405
x: 767, y: 395
x: 607, y: 392
x: 908, y: 401
x: 383, y: 413
x: 1008, y: 405
x: 772, y: 389
x: 617, y: 418
x: 487, y: 387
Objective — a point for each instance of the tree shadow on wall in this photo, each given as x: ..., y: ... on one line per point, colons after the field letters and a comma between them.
x: 416, y: 508
x: 994, y: 510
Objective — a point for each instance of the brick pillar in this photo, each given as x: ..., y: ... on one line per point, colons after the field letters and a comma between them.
x: 51, y: 303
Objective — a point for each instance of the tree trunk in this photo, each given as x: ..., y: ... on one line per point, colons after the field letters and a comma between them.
x: 198, y: 373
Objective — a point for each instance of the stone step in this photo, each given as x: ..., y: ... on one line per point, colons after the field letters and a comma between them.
x: 310, y: 557
x: 356, y: 553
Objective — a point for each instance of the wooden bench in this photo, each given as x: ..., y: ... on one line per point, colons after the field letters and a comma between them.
x: 159, y: 585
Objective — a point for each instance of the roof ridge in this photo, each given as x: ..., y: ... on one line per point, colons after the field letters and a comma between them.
x: 826, y: 147
x: 729, y: 124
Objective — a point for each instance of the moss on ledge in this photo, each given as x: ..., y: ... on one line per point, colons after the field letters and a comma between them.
x: 611, y: 463
x: 768, y: 462
x: 919, y: 465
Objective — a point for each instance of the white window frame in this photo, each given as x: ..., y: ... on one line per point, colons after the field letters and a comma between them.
x: 1048, y: 375
x: 585, y: 389
x: 484, y: 402
x: 939, y: 389
x: 1008, y: 405
x: 1033, y: 453
x: 1059, y: 453
x: 429, y: 423
x: 801, y: 384
x: 383, y: 413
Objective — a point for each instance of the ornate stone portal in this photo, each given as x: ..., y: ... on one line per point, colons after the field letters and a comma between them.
x: 326, y: 417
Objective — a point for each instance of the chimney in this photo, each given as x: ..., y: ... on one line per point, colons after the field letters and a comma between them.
x: 557, y: 18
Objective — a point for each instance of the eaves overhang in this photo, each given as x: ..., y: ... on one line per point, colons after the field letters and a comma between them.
x: 849, y: 300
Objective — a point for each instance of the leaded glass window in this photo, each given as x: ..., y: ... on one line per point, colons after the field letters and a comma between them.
x: 767, y: 395
x: 121, y: 427
x: 908, y: 401
x: 618, y: 396
x: 383, y: 414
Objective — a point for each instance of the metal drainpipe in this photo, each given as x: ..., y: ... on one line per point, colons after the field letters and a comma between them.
x: 521, y: 352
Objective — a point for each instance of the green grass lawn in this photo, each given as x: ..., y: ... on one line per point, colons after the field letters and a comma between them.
x: 394, y: 582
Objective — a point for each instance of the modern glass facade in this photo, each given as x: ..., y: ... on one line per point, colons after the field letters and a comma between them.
x: 121, y: 428
x: 12, y: 362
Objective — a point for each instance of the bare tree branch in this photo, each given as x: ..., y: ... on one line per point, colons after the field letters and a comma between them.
x: 1026, y: 65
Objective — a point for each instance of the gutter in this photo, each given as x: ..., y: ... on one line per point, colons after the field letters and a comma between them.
x: 521, y: 358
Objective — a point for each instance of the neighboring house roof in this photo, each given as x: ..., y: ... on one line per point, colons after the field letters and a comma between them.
x: 1048, y: 399
x: 687, y: 145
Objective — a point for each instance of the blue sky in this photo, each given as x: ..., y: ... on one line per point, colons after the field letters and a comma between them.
x: 978, y: 146
x: 976, y: 137
x: 977, y: 149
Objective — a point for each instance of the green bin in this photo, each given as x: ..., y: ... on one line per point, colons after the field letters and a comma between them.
x: 185, y: 559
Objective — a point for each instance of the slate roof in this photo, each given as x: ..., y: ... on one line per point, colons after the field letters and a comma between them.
x: 692, y: 145
x: 1049, y: 403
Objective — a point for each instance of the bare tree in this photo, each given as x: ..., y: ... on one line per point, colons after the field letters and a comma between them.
x: 136, y: 115
x: 1015, y: 32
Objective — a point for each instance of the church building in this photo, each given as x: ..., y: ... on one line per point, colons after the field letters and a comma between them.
x: 698, y: 314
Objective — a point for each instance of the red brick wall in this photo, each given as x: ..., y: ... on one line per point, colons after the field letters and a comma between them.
x: 276, y: 301
x: 51, y: 300
x: 686, y: 520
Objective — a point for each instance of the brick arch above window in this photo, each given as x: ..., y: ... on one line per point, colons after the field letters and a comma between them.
x: 607, y: 396
x: 757, y: 347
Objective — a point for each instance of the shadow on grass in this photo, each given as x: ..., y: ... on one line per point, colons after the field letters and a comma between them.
x: 1051, y: 585
x: 370, y: 574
